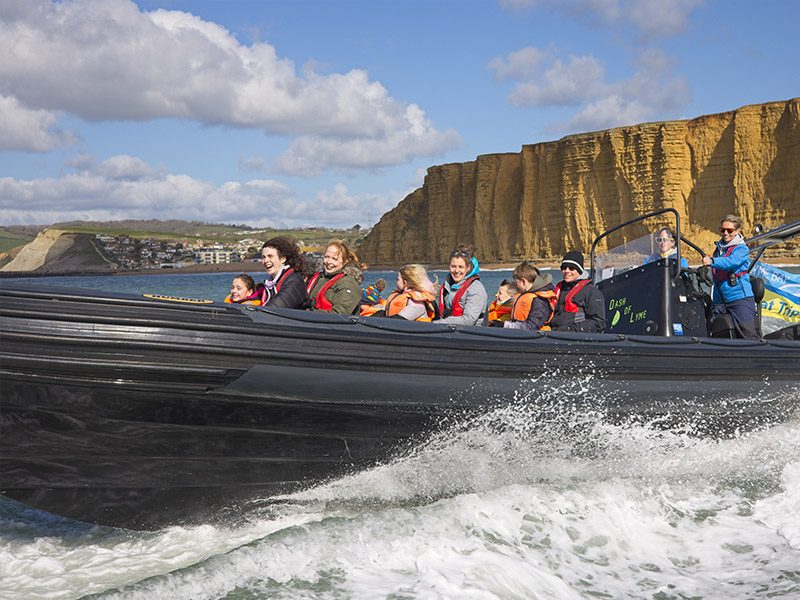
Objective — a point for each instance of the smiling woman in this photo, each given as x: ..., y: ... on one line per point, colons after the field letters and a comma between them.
x: 284, y: 286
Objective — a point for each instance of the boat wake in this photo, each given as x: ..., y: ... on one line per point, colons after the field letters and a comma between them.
x: 520, y: 502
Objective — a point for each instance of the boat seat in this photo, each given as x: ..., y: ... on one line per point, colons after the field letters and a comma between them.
x: 758, y: 296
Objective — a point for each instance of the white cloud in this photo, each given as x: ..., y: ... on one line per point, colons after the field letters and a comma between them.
x: 125, y: 187
x: 520, y: 64
x: 107, y: 60
x: 309, y: 155
x: 562, y: 83
x: 650, y: 17
x: 29, y: 129
x: 581, y: 82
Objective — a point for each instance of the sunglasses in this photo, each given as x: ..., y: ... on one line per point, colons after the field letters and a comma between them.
x: 727, y: 229
x: 460, y: 253
x: 663, y: 239
x: 568, y: 268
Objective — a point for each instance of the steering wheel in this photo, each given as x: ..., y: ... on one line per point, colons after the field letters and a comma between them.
x: 703, y: 273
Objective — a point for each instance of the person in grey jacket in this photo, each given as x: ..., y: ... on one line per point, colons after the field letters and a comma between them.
x: 462, y: 298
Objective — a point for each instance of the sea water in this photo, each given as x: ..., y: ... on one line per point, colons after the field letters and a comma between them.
x: 510, y: 504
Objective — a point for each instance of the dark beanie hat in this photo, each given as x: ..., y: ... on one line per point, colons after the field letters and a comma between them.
x: 574, y: 259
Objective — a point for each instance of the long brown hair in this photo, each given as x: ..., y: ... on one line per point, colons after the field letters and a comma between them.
x: 349, y: 257
x: 288, y: 249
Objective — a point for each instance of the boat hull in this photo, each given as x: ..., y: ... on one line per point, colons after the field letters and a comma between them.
x: 141, y: 414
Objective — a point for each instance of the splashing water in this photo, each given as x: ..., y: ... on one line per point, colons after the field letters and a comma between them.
x: 544, y: 499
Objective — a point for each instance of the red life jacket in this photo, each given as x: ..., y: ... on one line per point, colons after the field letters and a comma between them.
x: 569, y: 305
x: 721, y: 275
x: 456, y: 309
x: 266, y: 294
x: 321, y: 302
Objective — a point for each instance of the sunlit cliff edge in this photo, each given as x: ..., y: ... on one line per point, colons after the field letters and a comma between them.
x: 556, y: 196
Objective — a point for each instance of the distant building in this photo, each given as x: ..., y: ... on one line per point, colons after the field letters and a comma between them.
x: 215, y: 256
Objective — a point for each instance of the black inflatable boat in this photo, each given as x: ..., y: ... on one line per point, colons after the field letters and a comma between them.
x: 144, y: 412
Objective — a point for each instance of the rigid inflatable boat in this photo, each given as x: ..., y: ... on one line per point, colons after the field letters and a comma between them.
x: 141, y: 412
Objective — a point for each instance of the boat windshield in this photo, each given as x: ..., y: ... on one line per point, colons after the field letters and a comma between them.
x: 638, y: 243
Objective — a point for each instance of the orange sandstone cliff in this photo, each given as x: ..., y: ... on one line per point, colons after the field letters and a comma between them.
x: 557, y: 196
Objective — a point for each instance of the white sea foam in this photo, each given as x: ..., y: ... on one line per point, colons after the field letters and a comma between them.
x: 508, y: 505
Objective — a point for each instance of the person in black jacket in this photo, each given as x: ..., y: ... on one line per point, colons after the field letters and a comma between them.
x: 580, y: 305
x: 285, y: 285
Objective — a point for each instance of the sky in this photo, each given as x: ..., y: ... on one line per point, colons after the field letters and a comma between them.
x: 279, y: 113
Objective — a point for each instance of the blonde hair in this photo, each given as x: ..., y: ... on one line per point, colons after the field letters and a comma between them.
x: 417, y: 278
x: 349, y: 257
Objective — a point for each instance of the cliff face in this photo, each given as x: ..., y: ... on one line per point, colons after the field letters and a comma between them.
x: 557, y: 196
x: 55, y: 251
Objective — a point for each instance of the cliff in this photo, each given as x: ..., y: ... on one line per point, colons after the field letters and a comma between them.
x: 557, y: 196
x: 55, y: 251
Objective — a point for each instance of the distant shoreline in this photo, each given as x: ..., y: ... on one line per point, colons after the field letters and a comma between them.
x: 255, y: 267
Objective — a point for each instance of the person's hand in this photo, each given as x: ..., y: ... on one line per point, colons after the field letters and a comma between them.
x: 707, y: 261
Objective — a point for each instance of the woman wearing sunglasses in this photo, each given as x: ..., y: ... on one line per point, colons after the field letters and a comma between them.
x: 733, y: 293
x: 666, y: 247
x: 462, y: 297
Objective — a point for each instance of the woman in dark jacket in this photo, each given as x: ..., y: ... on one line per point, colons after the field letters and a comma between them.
x: 285, y: 285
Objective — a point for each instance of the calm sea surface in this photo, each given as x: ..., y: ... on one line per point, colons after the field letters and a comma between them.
x: 511, y: 507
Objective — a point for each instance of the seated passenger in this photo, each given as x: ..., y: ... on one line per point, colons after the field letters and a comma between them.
x: 580, y: 305
x: 371, y: 300
x: 244, y: 291
x: 415, y: 295
x: 534, y: 305
x: 666, y: 241
x: 462, y: 297
x: 285, y: 285
x: 336, y: 288
x: 500, y: 308
x: 733, y: 292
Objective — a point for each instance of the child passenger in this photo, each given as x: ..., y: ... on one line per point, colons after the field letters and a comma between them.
x: 534, y: 305
x: 500, y: 308
x: 244, y: 291
x: 414, y: 297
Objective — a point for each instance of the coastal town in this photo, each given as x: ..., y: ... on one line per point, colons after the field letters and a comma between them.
x: 133, y: 254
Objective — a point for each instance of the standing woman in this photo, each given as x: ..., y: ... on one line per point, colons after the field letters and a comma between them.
x: 733, y: 293
x: 414, y: 297
x: 285, y: 285
x: 336, y: 288
x: 462, y: 297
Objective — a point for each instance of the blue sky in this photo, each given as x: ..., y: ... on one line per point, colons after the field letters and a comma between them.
x: 300, y: 113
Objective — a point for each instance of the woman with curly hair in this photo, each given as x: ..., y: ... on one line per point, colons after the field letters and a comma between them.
x: 285, y: 285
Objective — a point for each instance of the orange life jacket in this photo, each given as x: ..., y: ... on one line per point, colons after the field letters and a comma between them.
x: 321, y: 302
x: 253, y: 299
x: 456, y: 309
x: 367, y: 310
x: 524, y: 301
x: 397, y: 301
x: 499, y: 312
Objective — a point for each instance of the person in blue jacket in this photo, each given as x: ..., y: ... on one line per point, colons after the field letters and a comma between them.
x: 666, y: 242
x: 733, y: 293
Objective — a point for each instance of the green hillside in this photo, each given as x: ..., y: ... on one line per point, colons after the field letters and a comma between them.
x: 182, y: 231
